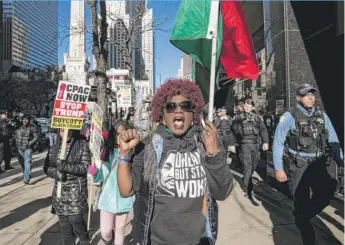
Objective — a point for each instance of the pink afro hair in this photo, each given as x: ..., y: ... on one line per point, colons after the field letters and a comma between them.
x: 171, y: 87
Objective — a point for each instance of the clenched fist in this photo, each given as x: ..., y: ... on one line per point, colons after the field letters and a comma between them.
x: 128, y: 140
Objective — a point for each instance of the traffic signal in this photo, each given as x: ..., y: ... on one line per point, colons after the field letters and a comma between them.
x: 113, y: 96
x: 47, y: 109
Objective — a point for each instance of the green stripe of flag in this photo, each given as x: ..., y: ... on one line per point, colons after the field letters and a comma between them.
x: 190, y: 34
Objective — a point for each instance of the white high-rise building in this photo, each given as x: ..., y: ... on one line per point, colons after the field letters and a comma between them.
x: 180, y: 70
x: 185, y: 71
x: 147, y: 47
x: 76, y: 62
x: 124, y: 12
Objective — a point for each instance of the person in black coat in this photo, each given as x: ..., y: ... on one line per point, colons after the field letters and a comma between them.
x: 70, y: 186
x: 5, y: 148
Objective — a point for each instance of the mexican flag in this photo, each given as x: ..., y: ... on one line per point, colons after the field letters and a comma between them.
x: 192, y: 33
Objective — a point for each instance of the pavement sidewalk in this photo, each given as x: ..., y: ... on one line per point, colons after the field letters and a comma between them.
x: 25, y: 217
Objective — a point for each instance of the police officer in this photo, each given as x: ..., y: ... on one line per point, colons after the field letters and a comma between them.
x: 223, y: 124
x: 248, y: 127
x: 236, y: 149
x: 5, y: 148
x: 306, y: 135
x: 239, y: 107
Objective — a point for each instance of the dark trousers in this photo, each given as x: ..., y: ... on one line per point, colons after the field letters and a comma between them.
x: 226, y: 141
x: 250, y: 157
x: 5, y: 152
x: 73, y: 224
x: 306, y: 178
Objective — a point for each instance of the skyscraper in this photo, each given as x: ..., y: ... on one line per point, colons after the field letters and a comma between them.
x: 30, y: 34
x: 124, y: 16
x: 147, y: 46
x: 118, y: 13
x: 0, y: 36
x: 76, y: 62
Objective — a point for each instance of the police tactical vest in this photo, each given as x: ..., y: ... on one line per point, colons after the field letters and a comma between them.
x: 309, y: 135
x: 224, y: 125
x: 250, y: 126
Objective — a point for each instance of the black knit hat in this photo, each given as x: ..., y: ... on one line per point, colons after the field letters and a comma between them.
x: 27, y: 116
x: 3, y: 112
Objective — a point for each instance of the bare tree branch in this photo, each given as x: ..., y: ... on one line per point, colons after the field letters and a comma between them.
x: 95, y: 35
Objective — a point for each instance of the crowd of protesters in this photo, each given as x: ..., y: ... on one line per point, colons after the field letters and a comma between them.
x: 165, y: 162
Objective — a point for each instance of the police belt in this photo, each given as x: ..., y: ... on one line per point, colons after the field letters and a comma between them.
x: 294, y: 154
x: 222, y: 133
x: 249, y: 142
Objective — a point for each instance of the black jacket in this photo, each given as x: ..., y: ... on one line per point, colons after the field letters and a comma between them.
x: 237, y: 128
x: 72, y: 174
x: 26, y: 136
x: 145, y: 166
x: 4, y: 130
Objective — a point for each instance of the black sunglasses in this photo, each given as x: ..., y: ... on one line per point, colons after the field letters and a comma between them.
x: 171, y: 106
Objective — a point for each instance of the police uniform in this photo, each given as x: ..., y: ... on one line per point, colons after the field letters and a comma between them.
x: 247, y: 129
x: 303, y: 138
x: 5, y: 148
x: 223, y: 126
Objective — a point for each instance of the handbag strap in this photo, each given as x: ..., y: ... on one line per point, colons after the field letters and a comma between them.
x: 111, y: 169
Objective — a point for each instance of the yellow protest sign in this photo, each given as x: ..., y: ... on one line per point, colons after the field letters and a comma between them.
x: 65, y: 122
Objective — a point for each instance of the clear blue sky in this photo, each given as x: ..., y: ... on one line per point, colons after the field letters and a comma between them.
x: 167, y: 57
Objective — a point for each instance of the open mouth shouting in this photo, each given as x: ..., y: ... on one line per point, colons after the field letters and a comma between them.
x: 178, y: 122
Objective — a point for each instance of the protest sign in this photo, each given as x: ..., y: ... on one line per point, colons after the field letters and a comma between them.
x: 124, y: 97
x: 70, y: 105
x: 96, y: 139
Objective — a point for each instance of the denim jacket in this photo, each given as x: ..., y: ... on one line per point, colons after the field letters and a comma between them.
x: 110, y: 200
x: 145, y: 197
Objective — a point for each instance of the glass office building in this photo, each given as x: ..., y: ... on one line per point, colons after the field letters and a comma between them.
x: 0, y: 36
x: 30, y: 34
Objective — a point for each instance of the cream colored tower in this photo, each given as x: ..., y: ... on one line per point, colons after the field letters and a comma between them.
x: 76, y: 62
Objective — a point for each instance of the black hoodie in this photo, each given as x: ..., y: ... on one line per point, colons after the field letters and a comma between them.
x: 182, y: 179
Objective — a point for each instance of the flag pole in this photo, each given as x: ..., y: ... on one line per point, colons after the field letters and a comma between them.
x: 214, y: 34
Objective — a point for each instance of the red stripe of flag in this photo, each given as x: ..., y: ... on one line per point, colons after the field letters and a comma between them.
x: 238, y: 53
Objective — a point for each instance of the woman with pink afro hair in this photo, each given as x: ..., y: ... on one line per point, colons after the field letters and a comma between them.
x: 171, y: 87
x: 177, y: 174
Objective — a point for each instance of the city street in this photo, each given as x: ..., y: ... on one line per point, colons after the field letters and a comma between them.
x: 25, y: 216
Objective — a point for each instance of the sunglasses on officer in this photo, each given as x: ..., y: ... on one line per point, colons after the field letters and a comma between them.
x: 171, y: 106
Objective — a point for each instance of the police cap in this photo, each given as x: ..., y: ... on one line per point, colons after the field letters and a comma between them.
x: 305, y: 88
